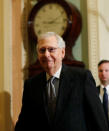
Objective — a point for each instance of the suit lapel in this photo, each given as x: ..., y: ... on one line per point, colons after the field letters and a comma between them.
x: 63, y: 91
x: 98, y: 87
x: 44, y: 91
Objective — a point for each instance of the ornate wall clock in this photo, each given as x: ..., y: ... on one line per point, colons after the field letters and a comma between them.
x: 58, y: 16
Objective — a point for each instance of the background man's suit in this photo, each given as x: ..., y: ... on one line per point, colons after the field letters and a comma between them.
x: 78, y: 106
x: 98, y: 87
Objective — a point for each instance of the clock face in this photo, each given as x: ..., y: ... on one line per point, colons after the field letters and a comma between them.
x: 50, y: 17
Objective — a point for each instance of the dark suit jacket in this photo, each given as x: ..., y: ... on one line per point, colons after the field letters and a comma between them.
x: 78, y: 106
x: 98, y: 87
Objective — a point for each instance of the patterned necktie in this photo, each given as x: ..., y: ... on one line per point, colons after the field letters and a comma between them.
x: 51, y: 97
x: 105, y: 102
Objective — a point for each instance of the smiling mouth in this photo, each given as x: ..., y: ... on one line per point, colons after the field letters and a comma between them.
x: 47, y: 60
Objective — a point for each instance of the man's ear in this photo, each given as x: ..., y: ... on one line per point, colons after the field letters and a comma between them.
x: 63, y: 52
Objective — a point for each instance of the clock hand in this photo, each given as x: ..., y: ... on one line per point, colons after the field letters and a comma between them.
x: 55, y: 19
x: 52, y: 21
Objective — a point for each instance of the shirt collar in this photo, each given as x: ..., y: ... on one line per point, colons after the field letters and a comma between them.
x: 57, y: 74
x: 102, y: 86
x: 107, y: 87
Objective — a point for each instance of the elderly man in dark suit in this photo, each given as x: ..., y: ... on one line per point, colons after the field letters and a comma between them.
x: 61, y: 98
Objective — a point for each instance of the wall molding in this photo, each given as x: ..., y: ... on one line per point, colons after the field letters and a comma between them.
x: 93, y: 41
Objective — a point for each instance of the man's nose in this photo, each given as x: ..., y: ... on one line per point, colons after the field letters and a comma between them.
x: 104, y: 72
x: 46, y: 53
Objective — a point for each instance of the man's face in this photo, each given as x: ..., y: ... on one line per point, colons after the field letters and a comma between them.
x: 103, y: 73
x: 50, y: 55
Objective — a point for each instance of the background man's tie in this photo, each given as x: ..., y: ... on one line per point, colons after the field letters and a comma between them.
x: 105, y: 102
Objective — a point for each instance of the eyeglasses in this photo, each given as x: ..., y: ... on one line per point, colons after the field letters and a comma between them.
x: 50, y: 50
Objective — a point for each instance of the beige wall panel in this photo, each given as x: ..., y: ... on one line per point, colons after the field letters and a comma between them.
x: 16, y: 58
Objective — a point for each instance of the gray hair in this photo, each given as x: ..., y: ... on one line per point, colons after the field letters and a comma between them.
x: 60, y: 41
